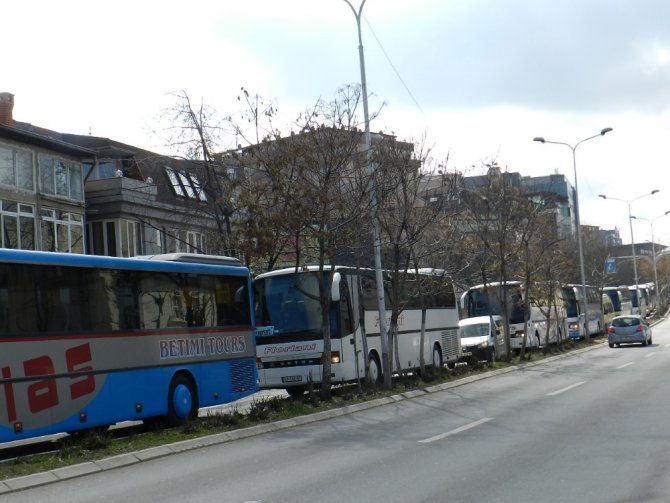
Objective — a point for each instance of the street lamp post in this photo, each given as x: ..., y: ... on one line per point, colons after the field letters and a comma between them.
x: 653, y: 246
x: 540, y: 139
x: 632, y: 239
x: 379, y: 278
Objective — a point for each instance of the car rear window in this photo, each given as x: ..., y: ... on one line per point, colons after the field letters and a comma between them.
x: 625, y: 322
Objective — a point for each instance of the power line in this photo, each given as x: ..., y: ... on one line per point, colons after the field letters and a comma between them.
x: 394, y: 68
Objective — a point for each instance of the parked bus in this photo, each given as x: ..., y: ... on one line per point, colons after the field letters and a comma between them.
x: 583, y: 317
x: 639, y: 300
x: 88, y: 341
x: 290, y: 336
x: 621, y: 298
x: 608, y: 310
x: 650, y: 290
x: 544, y: 323
x: 486, y: 300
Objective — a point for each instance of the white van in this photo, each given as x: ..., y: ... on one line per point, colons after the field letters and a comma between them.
x: 482, y: 337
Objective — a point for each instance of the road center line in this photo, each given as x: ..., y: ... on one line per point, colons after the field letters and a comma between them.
x: 454, y: 432
x: 625, y: 365
x: 649, y: 355
x: 567, y: 388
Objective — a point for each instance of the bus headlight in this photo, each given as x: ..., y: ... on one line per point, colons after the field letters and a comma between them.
x: 335, y: 357
x: 573, y: 326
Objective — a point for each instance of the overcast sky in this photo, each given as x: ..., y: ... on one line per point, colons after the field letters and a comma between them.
x: 478, y: 78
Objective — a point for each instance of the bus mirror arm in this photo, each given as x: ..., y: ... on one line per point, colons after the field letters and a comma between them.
x: 335, y: 288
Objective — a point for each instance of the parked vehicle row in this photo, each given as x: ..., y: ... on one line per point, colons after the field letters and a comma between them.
x: 432, y: 328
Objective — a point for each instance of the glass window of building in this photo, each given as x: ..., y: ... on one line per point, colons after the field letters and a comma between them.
x: 16, y: 168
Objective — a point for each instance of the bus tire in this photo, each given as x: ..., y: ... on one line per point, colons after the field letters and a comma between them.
x: 374, y: 370
x: 296, y: 391
x: 182, y: 401
x: 437, y: 361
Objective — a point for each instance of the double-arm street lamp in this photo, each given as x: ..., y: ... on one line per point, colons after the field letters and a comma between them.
x: 540, y: 139
x: 376, y: 238
x: 630, y: 221
x: 657, y: 287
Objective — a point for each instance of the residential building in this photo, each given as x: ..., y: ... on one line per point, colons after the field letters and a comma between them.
x: 85, y: 194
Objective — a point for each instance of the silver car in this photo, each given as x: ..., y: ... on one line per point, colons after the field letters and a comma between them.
x: 629, y: 329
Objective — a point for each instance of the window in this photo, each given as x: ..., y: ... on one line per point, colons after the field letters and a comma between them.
x: 102, y: 238
x: 195, y: 242
x: 104, y: 169
x: 18, y: 225
x: 152, y: 240
x: 186, y: 184
x: 129, y: 238
x: 61, y: 178
x: 16, y: 168
x: 62, y: 231
x: 179, y: 241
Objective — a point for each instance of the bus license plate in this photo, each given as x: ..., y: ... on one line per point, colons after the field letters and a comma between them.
x: 291, y: 379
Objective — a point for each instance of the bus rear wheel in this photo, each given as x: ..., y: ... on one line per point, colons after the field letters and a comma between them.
x: 182, y: 401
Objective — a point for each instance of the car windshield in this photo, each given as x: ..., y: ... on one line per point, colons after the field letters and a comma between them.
x: 625, y: 322
x: 476, y: 330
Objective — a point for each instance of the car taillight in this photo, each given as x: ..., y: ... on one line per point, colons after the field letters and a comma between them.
x: 611, y: 330
x: 639, y: 329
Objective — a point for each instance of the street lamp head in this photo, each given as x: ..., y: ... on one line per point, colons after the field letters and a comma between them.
x: 666, y: 212
x: 654, y: 191
x: 539, y: 138
x: 604, y: 131
x: 602, y: 195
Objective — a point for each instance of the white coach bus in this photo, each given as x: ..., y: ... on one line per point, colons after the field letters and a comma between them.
x: 289, y: 333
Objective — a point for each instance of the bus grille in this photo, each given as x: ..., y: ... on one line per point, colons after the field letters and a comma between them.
x: 302, y: 362
x: 242, y: 375
x: 451, y: 344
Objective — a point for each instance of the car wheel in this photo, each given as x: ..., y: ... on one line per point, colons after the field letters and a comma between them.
x: 644, y: 342
x: 491, y: 357
x: 611, y: 345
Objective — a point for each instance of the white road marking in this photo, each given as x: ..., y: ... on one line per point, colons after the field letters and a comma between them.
x: 625, y: 365
x: 454, y: 432
x: 649, y: 355
x: 567, y: 388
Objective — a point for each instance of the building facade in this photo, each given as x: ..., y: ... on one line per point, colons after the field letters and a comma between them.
x: 84, y: 194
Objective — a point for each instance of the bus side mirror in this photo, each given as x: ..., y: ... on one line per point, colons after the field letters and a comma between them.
x: 335, y: 288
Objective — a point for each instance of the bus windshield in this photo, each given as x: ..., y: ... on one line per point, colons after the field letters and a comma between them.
x: 288, y: 304
x: 571, y: 306
x: 486, y: 301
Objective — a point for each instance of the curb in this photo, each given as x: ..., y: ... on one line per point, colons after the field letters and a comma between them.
x: 89, y: 467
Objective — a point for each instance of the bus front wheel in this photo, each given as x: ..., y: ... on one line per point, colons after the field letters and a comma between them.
x: 437, y: 357
x: 296, y: 392
x: 374, y: 370
x: 182, y: 401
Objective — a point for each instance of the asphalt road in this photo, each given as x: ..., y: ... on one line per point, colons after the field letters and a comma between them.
x: 591, y: 427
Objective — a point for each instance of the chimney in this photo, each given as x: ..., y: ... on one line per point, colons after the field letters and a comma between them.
x: 6, y: 108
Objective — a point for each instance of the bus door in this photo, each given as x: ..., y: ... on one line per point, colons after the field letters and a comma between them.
x: 351, y: 316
